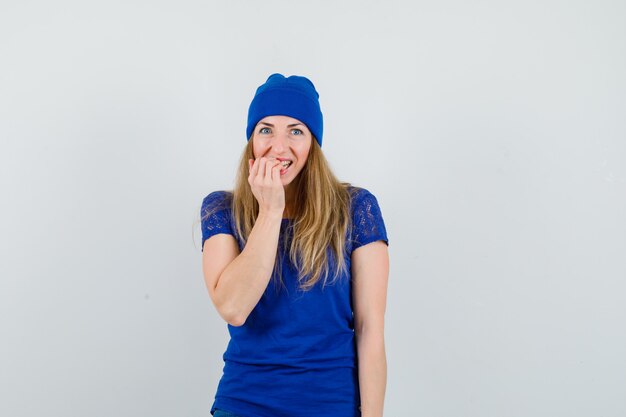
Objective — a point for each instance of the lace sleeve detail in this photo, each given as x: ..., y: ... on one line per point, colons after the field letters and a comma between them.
x: 368, y: 224
x: 215, y: 215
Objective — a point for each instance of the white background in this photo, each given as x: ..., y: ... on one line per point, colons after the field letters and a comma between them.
x: 493, y: 134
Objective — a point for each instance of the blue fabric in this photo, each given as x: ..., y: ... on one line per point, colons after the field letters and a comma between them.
x: 295, y: 355
x: 293, y: 96
x: 222, y: 413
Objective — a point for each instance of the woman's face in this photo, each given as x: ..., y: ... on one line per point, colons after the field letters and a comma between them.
x: 284, y: 138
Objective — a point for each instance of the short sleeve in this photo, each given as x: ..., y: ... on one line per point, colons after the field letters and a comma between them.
x: 215, y: 215
x: 368, y: 224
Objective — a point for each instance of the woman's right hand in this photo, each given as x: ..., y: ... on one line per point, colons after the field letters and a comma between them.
x: 267, y: 187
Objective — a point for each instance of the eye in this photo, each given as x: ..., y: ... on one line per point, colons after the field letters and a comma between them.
x: 264, y: 130
x: 296, y: 131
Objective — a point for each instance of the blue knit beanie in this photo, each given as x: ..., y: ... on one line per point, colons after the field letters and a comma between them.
x: 294, y: 96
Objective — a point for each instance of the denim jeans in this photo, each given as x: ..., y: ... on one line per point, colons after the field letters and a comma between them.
x: 222, y: 413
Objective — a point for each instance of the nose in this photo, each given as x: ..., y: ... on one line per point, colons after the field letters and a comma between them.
x: 279, y: 143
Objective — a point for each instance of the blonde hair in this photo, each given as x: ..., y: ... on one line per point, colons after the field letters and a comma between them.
x: 322, y: 221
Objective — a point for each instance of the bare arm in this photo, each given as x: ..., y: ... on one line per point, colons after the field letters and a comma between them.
x: 236, y: 281
x: 239, y: 287
x: 370, y: 271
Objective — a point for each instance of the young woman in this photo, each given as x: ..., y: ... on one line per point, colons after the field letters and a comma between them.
x: 296, y: 263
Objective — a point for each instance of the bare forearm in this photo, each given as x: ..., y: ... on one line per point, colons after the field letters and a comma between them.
x: 244, y: 280
x: 372, y: 374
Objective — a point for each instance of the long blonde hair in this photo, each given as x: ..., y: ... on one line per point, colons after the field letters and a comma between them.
x: 322, y: 221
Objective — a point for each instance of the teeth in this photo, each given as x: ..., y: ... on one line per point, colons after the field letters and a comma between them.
x: 285, y: 163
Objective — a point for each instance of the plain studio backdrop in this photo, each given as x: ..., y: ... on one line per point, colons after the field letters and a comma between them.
x: 493, y: 135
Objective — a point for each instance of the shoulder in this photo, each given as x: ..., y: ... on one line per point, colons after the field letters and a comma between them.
x: 368, y: 224
x: 217, y: 200
x: 217, y: 204
x: 215, y: 214
x: 355, y: 192
x: 360, y: 198
x: 218, y: 196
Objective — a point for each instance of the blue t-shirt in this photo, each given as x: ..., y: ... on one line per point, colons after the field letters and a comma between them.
x: 295, y: 356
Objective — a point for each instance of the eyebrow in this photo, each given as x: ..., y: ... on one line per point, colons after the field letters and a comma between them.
x: 291, y: 125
